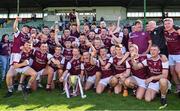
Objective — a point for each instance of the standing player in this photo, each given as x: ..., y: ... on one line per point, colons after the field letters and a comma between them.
x: 173, y: 40
x: 20, y: 37
x: 140, y: 38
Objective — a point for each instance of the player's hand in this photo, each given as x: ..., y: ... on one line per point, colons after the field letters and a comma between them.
x: 147, y: 81
x: 56, y: 31
x: 76, y: 14
x: 119, y: 17
x: 106, y: 67
x: 26, y: 62
x: 17, y: 18
x: 61, y: 79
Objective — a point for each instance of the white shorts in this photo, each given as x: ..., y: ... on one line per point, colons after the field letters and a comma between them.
x: 39, y: 74
x: 174, y: 59
x: 22, y: 70
x: 105, y: 81
x: 140, y: 82
x: 55, y: 76
x: 91, y: 79
x: 156, y: 87
x: 14, y: 57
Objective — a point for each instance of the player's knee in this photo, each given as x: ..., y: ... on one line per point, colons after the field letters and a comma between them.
x: 98, y: 74
x: 127, y: 82
x: 147, y: 99
x: 98, y: 90
x: 140, y: 97
x: 8, y: 76
x: 177, y: 69
x: 113, y: 81
x: 163, y: 82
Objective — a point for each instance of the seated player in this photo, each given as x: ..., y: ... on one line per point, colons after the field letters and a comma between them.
x: 105, y: 64
x: 136, y: 77
x: 56, y: 67
x: 21, y: 66
x: 158, y: 73
x: 117, y: 81
x: 91, y: 70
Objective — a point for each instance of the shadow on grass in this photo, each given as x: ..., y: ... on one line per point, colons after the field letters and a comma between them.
x: 41, y: 100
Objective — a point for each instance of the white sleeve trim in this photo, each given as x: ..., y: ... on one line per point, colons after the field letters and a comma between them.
x: 16, y: 34
x: 68, y: 67
x: 144, y: 62
x: 63, y: 61
x: 49, y: 56
x: 110, y: 60
x: 165, y: 65
x: 127, y: 65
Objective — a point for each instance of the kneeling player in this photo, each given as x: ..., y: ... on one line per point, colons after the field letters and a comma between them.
x: 21, y: 65
x: 105, y: 63
x: 117, y: 81
x: 136, y: 81
x: 55, y: 67
x: 73, y: 75
x: 91, y: 70
x: 158, y: 73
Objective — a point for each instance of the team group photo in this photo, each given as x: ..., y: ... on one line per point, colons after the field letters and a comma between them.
x: 89, y: 55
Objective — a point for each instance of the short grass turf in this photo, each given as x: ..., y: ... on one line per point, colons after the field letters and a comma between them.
x: 42, y: 100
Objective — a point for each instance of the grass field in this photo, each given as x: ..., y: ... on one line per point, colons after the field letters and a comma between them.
x: 42, y: 100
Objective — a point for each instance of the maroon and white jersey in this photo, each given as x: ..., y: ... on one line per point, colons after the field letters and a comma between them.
x: 106, y: 72
x: 83, y: 48
x: 155, y: 66
x: 119, y: 68
x: 19, y: 40
x: 51, y: 44
x: 60, y: 58
x: 107, y: 42
x: 40, y: 60
x: 141, y: 39
x: 75, y: 66
x: 67, y: 53
x: 91, y: 69
x: 75, y: 34
x: 173, y: 42
x: 70, y: 38
x: 22, y: 56
x: 140, y: 73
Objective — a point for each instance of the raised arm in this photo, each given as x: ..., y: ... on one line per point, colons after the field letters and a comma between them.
x: 77, y: 21
x: 15, y: 25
